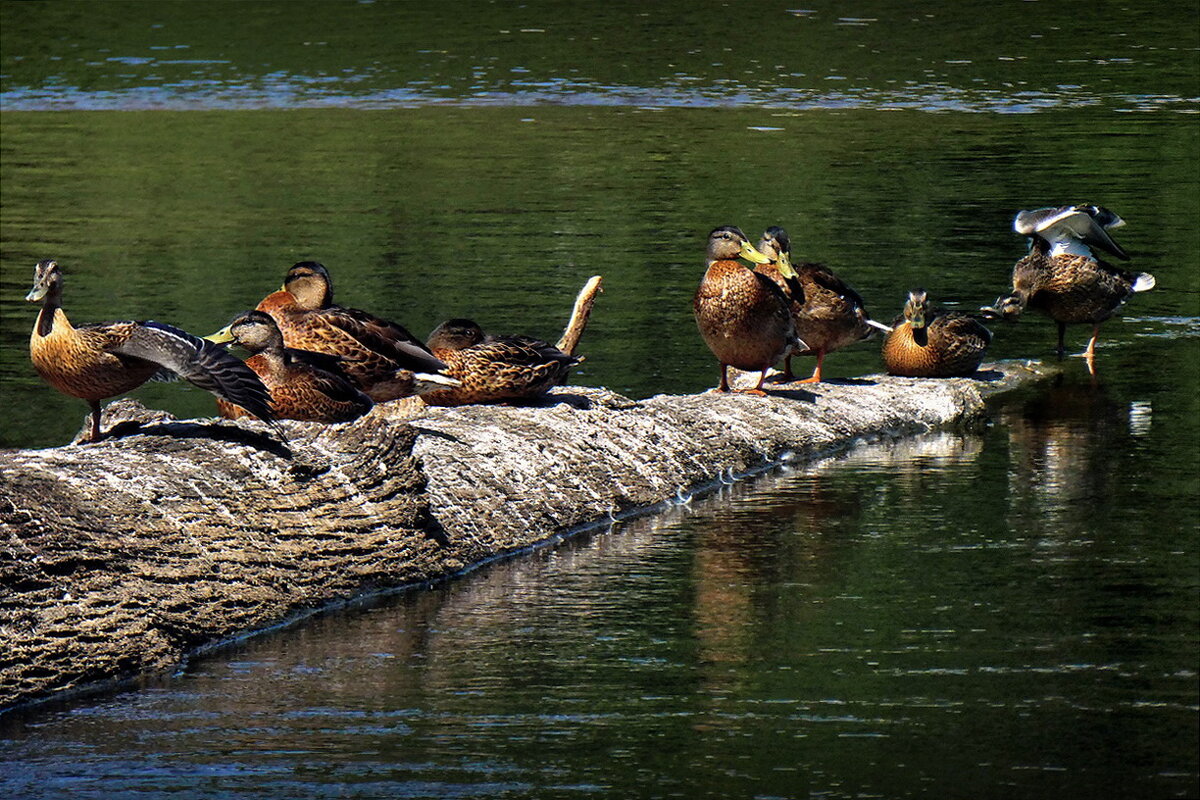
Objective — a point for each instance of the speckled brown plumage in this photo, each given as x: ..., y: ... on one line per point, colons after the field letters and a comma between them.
x: 379, y: 356
x: 1071, y: 288
x: 827, y: 312
x: 743, y: 316
x: 303, y: 385
x: 102, y: 360
x: 494, y: 369
x: 934, y: 344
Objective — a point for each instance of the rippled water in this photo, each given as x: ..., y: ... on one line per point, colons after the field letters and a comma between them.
x: 1008, y: 612
x: 972, y: 56
x: 850, y: 629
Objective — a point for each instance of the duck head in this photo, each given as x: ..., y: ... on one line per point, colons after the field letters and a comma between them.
x: 455, y: 334
x: 47, y: 281
x: 728, y: 243
x: 310, y: 284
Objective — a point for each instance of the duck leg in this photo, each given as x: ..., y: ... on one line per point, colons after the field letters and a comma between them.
x: 816, y: 376
x: 95, y: 437
x: 724, y: 385
x: 758, y: 387
x: 1062, y: 332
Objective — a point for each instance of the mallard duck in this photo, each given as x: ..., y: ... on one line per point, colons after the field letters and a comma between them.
x: 303, y: 385
x: 106, y: 359
x: 1062, y: 276
x: 743, y: 316
x: 382, y: 358
x: 925, y: 343
x: 494, y: 369
x: 828, y: 313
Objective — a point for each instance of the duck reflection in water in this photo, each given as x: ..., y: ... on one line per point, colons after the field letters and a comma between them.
x: 1061, y: 444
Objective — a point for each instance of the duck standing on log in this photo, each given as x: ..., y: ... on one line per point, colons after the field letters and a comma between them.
x: 1063, y: 277
x: 382, y: 358
x: 303, y: 385
x: 925, y: 343
x: 745, y: 319
x: 102, y: 360
x: 827, y: 312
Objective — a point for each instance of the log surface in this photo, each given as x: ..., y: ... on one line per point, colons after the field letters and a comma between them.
x: 120, y: 558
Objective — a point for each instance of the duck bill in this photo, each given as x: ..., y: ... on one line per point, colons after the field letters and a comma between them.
x: 37, y: 293
x: 750, y: 253
x: 223, y: 336
x: 785, y: 267
x: 990, y: 313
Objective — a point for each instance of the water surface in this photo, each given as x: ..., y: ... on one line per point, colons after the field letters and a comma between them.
x: 1004, y: 612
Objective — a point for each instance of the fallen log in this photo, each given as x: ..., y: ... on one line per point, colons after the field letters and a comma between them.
x: 123, y: 557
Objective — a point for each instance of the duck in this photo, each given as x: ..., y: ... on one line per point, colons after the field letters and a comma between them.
x: 493, y: 369
x: 743, y: 317
x: 928, y: 343
x: 303, y: 385
x: 1063, y: 274
x: 102, y: 360
x: 382, y: 358
x: 827, y: 312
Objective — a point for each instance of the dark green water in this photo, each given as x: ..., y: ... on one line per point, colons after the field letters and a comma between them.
x: 1011, y: 612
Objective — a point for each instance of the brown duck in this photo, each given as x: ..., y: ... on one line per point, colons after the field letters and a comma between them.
x: 382, y: 358
x: 1062, y: 276
x: 106, y: 359
x: 304, y: 385
x: 827, y: 312
x: 494, y: 369
x: 743, y: 316
x: 934, y: 344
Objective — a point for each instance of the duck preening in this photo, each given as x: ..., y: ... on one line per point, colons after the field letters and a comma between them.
x: 744, y: 317
x: 494, y: 369
x: 102, y: 360
x: 928, y: 343
x: 1063, y: 276
x: 303, y: 385
x: 382, y: 358
x: 827, y: 312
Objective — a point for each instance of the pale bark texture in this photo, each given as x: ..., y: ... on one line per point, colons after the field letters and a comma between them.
x: 121, y: 557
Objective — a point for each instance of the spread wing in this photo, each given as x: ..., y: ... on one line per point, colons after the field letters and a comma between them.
x: 1088, y: 224
x: 196, y: 360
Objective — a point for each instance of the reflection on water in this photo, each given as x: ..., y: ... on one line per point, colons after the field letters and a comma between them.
x: 1005, y: 613
x: 850, y: 628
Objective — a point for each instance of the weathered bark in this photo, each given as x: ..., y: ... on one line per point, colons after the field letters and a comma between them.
x: 120, y: 557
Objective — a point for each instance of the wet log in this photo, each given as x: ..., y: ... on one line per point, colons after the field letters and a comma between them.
x: 121, y: 558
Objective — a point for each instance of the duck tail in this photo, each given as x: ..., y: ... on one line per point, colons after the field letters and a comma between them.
x: 1143, y: 282
x: 879, y: 325
x: 201, y: 363
x: 580, y: 314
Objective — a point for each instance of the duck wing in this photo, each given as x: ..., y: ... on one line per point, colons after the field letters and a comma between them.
x: 827, y: 279
x: 322, y: 361
x: 523, y: 351
x: 198, y: 361
x: 1088, y: 224
x: 386, y: 338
